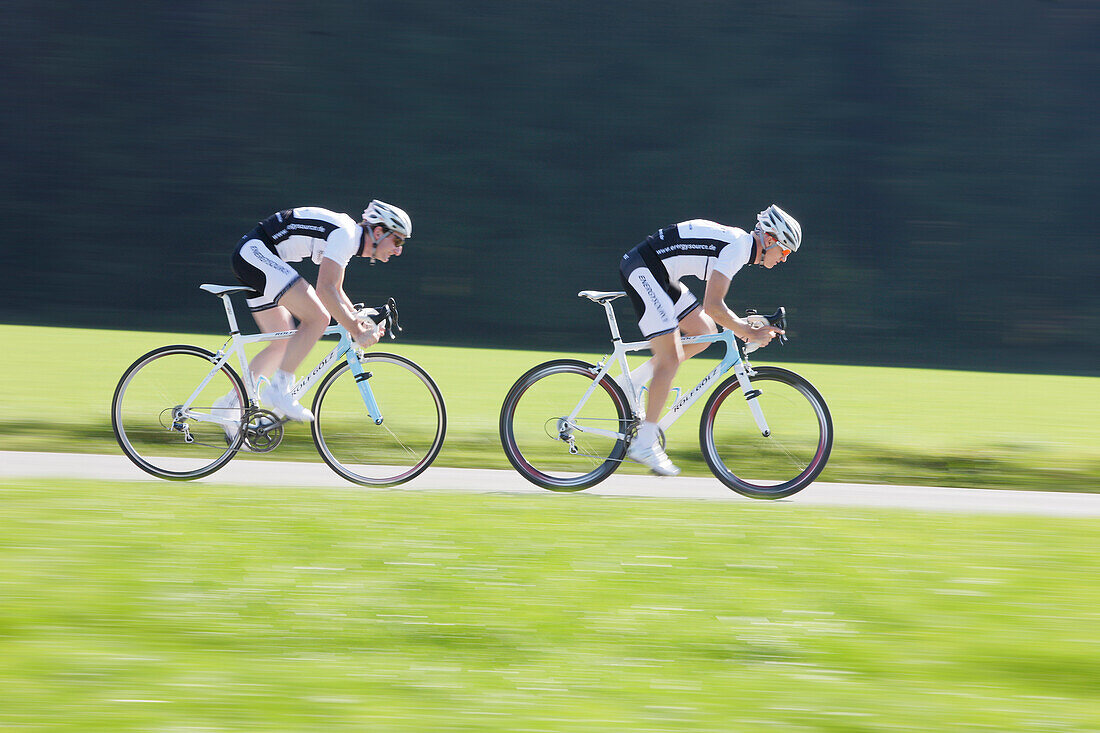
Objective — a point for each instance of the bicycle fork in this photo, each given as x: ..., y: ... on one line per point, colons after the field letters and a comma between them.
x: 750, y: 396
x: 362, y: 381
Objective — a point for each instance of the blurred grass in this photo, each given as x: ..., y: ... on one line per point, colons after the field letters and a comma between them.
x: 902, y: 426
x: 143, y: 606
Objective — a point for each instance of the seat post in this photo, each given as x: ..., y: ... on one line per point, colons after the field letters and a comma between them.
x: 233, y: 329
x: 612, y: 322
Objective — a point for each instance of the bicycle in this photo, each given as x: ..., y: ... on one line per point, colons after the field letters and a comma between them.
x: 565, y: 424
x: 379, y: 421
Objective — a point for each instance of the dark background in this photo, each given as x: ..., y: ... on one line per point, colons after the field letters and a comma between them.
x: 940, y: 156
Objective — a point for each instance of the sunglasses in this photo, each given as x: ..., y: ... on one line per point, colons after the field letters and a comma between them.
x: 782, y: 249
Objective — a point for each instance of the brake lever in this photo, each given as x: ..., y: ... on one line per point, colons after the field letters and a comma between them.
x: 386, y: 315
x: 777, y: 319
x: 392, y: 318
x: 780, y: 321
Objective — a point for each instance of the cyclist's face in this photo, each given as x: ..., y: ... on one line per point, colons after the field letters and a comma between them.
x: 390, y: 244
x: 774, y: 253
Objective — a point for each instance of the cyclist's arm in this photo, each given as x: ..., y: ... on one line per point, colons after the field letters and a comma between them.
x: 330, y: 289
x: 714, y: 303
x: 346, y: 301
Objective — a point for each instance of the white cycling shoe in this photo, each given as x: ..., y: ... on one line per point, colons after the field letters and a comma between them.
x: 229, y: 408
x: 653, y: 458
x: 284, y: 405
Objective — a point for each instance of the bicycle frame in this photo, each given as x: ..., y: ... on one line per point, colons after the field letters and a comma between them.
x: 732, y: 359
x: 235, y: 347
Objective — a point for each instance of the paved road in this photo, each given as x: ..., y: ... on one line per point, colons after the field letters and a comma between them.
x: 282, y: 473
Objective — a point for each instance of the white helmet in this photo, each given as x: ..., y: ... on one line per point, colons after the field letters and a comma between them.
x: 389, y: 217
x: 781, y: 225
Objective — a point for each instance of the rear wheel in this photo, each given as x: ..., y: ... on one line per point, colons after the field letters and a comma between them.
x: 785, y: 461
x: 163, y: 420
x: 547, y: 446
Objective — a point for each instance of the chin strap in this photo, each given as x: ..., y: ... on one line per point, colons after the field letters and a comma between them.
x: 760, y: 243
x: 373, y: 242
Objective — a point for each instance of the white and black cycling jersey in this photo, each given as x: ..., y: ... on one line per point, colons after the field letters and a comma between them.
x: 651, y: 272
x: 698, y: 247
x: 310, y: 232
x: 292, y: 235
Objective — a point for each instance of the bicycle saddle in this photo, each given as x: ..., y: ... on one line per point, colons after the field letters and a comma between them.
x: 600, y: 296
x: 223, y: 289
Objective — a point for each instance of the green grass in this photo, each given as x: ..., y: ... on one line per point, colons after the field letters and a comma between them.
x: 908, y: 426
x: 148, y: 606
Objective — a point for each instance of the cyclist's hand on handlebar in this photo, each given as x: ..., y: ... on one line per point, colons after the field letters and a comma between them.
x: 370, y: 334
x: 761, y: 334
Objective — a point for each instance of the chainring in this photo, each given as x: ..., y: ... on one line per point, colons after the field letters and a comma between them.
x: 263, y: 431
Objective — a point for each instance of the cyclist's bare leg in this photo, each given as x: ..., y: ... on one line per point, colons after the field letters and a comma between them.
x: 696, y: 323
x: 668, y: 353
x: 271, y: 320
x: 302, y: 302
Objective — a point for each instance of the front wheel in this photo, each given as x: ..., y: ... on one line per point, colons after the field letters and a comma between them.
x: 165, y: 417
x: 414, y: 421
x: 785, y: 461
x: 555, y: 436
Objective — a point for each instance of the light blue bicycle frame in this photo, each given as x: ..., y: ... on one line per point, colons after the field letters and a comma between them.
x: 235, y: 346
x: 731, y: 360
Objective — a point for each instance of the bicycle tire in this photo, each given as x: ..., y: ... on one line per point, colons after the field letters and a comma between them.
x: 145, y: 423
x: 544, y: 458
x: 782, y: 463
x: 410, y: 436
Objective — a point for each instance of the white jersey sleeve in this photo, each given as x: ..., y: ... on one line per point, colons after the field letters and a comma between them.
x: 734, y: 255
x: 342, y: 243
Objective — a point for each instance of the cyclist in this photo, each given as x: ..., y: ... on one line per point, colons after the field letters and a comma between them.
x: 282, y: 295
x: 651, y: 274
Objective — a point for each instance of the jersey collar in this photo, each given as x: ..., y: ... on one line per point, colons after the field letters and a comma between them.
x: 362, y: 240
x: 754, y: 252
